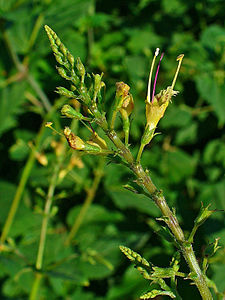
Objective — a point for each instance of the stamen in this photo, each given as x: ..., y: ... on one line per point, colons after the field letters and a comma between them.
x: 91, y: 127
x: 150, y: 74
x: 156, y: 75
x: 179, y: 58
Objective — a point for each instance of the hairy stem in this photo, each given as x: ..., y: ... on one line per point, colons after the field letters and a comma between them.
x: 170, y: 218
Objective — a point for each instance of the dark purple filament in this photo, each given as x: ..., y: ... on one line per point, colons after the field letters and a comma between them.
x: 91, y: 127
x: 156, y: 75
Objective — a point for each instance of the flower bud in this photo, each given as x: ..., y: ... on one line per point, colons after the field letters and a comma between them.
x: 64, y: 92
x: 204, y: 214
x: 63, y: 49
x: 97, y: 82
x: 70, y: 112
x: 62, y: 73
x: 70, y: 59
x: 80, y: 67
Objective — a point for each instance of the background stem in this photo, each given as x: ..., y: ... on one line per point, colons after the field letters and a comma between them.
x: 43, y: 235
x: 87, y: 202
x: 24, y: 177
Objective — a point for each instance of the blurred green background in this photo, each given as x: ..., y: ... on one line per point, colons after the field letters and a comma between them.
x: 187, y: 160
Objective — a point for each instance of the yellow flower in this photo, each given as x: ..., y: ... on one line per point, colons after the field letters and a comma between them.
x: 156, y: 105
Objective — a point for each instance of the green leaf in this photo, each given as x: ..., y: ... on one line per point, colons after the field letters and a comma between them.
x: 95, y: 213
x: 125, y: 199
x: 213, y: 92
x: 178, y: 165
x: 218, y: 275
x: 7, y: 192
x: 187, y: 135
x: 11, y: 101
x: 213, y: 38
x: 20, y: 149
x: 176, y: 116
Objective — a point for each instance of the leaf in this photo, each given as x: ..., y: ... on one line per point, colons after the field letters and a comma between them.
x: 214, y: 152
x: 136, y: 67
x: 11, y: 101
x: 213, y: 38
x: 125, y: 199
x: 218, y: 275
x: 213, y: 93
x: 187, y: 135
x: 141, y: 39
x: 178, y: 165
x: 175, y: 116
x: 129, y: 287
x: 20, y: 149
x: 95, y: 214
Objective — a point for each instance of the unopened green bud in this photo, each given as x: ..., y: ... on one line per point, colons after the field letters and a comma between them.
x: 62, y: 73
x: 204, y: 214
x: 59, y: 59
x: 70, y: 59
x: 97, y: 82
x: 80, y: 67
x: 70, y: 112
x: 63, y: 49
x: 134, y: 256
x: 64, y: 92
x: 92, y: 147
x: 57, y: 41
x: 55, y: 49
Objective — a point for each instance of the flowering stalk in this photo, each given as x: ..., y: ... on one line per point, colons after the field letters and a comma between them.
x: 91, y: 99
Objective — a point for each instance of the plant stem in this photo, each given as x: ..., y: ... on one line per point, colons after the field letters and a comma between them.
x: 47, y: 210
x: 169, y: 216
x: 36, y: 285
x: 43, y: 235
x: 20, y: 188
x: 140, y: 152
x: 87, y: 202
x: 24, y: 72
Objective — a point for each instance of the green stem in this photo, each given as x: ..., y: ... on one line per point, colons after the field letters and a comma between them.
x: 192, y: 234
x: 37, y: 26
x: 87, y: 202
x: 113, y: 119
x: 20, y: 189
x: 48, y: 205
x: 43, y: 235
x: 36, y: 285
x: 140, y: 152
x: 170, y: 218
x: 24, y: 71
